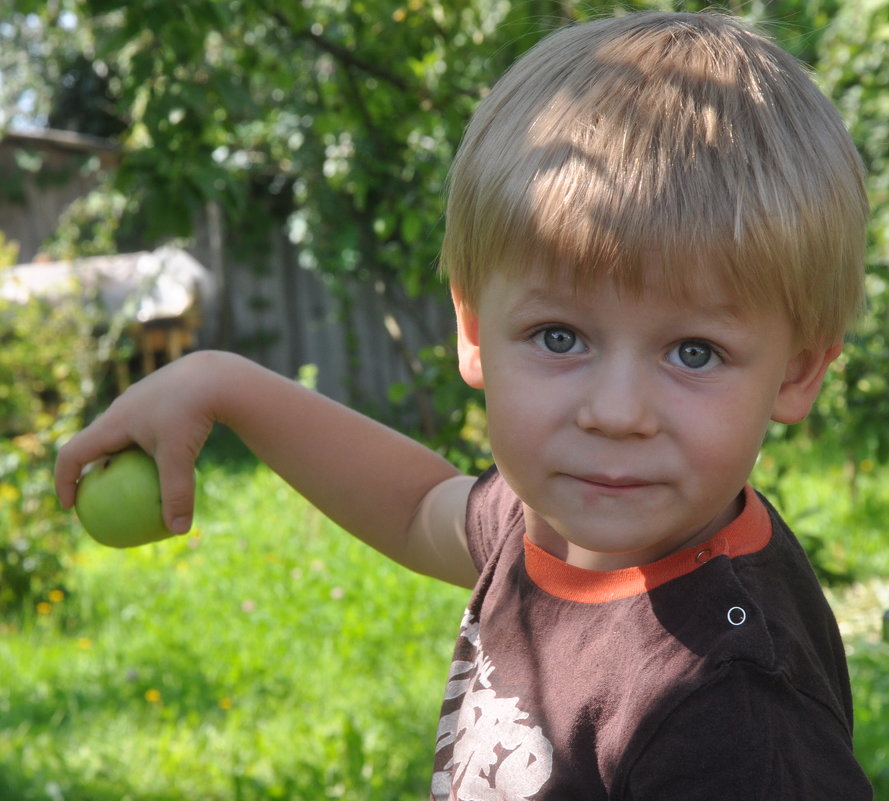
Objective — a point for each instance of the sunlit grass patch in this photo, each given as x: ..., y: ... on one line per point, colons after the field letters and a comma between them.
x: 266, y: 655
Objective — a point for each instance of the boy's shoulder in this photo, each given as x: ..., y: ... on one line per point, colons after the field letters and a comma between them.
x: 493, y: 513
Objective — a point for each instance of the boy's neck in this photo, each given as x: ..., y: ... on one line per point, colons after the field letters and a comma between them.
x: 545, y: 537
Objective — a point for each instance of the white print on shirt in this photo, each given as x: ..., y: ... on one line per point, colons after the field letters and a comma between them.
x: 497, y: 754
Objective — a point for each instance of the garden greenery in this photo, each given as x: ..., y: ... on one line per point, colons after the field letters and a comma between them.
x: 51, y: 358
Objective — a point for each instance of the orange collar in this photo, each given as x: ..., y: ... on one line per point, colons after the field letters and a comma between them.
x: 747, y: 533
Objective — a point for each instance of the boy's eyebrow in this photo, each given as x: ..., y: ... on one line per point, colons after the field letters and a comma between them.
x: 535, y: 297
x: 545, y: 298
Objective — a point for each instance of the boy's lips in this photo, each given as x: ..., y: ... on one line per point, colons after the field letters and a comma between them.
x: 616, y: 482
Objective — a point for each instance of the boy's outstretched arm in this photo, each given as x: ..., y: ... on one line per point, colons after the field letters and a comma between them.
x: 386, y: 489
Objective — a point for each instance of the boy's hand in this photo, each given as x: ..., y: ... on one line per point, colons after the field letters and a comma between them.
x: 168, y: 414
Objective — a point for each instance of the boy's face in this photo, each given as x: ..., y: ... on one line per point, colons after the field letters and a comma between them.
x: 628, y: 426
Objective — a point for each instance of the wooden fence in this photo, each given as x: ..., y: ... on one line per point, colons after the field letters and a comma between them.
x: 362, y: 339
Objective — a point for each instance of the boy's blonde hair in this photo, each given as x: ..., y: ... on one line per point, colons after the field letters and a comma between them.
x: 673, y: 147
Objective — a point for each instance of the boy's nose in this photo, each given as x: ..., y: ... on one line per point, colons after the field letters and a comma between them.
x: 618, y: 403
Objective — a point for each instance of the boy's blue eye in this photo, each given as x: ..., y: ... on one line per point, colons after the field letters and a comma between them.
x: 694, y: 354
x: 557, y: 340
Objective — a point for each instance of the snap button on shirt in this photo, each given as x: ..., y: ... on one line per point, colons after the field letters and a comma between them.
x: 736, y: 616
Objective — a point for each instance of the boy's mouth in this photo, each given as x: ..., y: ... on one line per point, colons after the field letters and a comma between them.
x: 616, y: 483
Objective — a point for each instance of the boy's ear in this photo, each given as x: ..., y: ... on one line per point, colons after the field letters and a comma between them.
x: 468, y: 351
x: 802, y: 382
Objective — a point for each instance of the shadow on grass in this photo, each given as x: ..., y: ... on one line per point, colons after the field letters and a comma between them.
x: 17, y: 786
x: 52, y: 743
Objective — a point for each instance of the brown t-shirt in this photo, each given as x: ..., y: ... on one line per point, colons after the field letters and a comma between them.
x: 715, y: 674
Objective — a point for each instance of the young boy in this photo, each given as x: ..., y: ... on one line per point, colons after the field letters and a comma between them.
x: 654, y: 239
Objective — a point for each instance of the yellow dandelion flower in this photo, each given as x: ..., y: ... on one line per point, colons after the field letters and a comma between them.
x: 867, y: 465
x: 9, y: 493
x: 56, y: 596
x: 84, y: 643
x: 226, y: 703
x: 44, y: 608
x: 153, y: 696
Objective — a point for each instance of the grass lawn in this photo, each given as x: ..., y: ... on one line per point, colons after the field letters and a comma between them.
x: 270, y: 656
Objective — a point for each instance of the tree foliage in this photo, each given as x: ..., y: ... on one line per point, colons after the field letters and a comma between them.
x: 854, y: 70
x: 339, y: 119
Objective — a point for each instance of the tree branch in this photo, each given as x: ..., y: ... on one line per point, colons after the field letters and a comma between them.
x: 345, y: 56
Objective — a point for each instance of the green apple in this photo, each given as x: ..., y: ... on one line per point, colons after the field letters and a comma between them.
x: 119, y: 500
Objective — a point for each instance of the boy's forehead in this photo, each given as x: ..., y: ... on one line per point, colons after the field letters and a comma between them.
x: 528, y: 289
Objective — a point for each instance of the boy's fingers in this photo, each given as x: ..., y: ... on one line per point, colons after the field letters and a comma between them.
x: 77, y: 453
x: 175, y: 470
x: 177, y: 488
x: 66, y: 474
